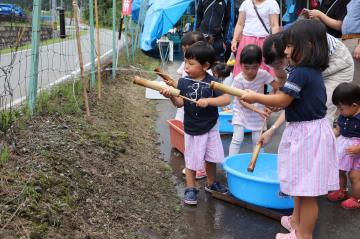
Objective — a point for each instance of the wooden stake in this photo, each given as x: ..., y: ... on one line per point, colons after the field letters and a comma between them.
x: 262, y: 210
x: 75, y: 10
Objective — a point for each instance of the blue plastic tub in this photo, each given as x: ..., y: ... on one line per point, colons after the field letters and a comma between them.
x: 261, y: 187
x: 225, y: 121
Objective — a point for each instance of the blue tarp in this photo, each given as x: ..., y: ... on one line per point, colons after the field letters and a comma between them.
x: 161, y: 16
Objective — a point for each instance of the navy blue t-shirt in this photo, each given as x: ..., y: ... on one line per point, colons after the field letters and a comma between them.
x: 307, y: 86
x: 198, y: 120
x: 349, y: 126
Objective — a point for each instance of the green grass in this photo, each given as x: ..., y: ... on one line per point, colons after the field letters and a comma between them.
x: 65, y: 98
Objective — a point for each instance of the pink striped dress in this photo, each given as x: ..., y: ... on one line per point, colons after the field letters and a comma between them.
x: 243, y: 116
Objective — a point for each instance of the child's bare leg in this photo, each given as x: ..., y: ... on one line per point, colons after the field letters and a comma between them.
x: 343, y: 180
x: 355, y: 183
x: 190, y: 178
x: 309, y: 211
x: 295, y: 216
x: 210, y: 169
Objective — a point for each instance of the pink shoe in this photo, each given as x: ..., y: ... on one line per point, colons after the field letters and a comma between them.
x: 338, y: 195
x: 351, y: 203
x: 200, y: 174
x: 291, y: 235
x: 286, y: 223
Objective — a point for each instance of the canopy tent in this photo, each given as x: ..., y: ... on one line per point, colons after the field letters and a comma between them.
x: 161, y: 16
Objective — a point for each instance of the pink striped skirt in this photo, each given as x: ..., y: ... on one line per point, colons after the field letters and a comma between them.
x: 200, y: 148
x: 246, y: 40
x: 347, y: 162
x: 307, y: 163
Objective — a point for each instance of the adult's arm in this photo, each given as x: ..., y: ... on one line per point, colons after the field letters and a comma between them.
x: 357, y: 52
x: 328, y: 21
x: 274, y: 23
x: 238, y: 30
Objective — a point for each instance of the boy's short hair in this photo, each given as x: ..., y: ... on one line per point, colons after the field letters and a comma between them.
x: 274, y: 48
x: 201, y: 51
x: 190, y: 38
x: 309, y: 41
x: 251, y: 54
x: 346, y: 94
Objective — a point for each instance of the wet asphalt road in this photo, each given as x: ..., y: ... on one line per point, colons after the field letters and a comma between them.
x: 213, y: 218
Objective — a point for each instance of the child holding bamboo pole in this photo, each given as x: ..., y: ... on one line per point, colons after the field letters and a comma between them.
x: 202, y: 138
x: 250, y: 116
x: 307, y: 165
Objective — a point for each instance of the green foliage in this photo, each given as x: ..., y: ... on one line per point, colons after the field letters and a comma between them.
x: 4, y: 154
x: 7, y: 118
x: 65, y: 98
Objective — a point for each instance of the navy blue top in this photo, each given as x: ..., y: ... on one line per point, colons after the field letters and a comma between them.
x: 198, y: 120
x: 349, y: 126
x: 306, y: 85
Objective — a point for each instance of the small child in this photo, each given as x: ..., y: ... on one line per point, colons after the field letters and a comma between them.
x: 250, y: 116
x: 187, y: 40
x: 307, y: 165
x: 346, y: 97
x: 202, y: 138
x: 223, y: 72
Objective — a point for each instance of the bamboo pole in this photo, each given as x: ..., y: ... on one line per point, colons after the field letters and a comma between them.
x: 256, y: 151
x: 99, y: 84
x: 226, y: 89
x: 81, y: 62
x: 158, y: 86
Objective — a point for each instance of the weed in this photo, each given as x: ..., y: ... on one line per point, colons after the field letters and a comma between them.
x: 4, y: 155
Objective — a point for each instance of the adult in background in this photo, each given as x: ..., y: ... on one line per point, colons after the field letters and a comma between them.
x: 351, y: 35
x: 213, y: 18
x: 331, y: 13
x: 257, y: 18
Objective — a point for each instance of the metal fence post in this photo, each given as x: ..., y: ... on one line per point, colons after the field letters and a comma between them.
x: 35, y: 42
x: 92, y: 43
x: 114, y: 40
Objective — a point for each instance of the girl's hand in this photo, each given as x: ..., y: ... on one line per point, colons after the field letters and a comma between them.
x: 166, y: 93
x: 357, y: 52
x: 249, y: 97
x: 202, y: 103
x: 353, y: 150
x: 234, y: 44
x: 266, y: 136
x: 264, y: 114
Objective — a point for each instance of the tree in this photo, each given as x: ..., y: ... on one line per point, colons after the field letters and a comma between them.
x: 105, y: 11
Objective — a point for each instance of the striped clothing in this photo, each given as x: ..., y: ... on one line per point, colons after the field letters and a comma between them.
x: 243, y: 116
x: 346, y: 161
x: 307, y: 163
x: 332, y: 41
x: 201, y: 148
